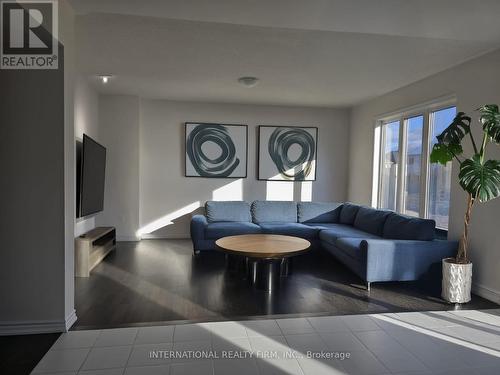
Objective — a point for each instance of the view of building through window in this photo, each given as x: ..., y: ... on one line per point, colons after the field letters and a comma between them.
x: 413, y: 167
x: 438, y: 202
x: 415, y: 172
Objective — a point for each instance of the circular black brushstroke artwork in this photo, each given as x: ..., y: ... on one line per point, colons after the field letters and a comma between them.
x: 220, y: 163
x: 280, y: 143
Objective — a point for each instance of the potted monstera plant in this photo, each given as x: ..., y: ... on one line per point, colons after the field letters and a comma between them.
x: 479, y: 177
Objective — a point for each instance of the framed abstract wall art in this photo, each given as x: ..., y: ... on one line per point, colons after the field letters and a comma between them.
x: 216, y: 150
x: 287, y: 153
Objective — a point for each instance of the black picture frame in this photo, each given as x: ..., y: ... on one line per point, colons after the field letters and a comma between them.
x: 186, y: 157
x: 259, y: 178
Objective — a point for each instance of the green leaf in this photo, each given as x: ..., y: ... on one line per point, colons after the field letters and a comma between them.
x: 443, y: 153
x: 490, y: 118
x: 480, y: 180
x: 457, y: 130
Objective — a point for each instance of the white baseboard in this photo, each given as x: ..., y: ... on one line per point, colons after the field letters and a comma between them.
x: 127, y: 238
x: 70, y: 320
x: 180, y: 236
x: 37, y: 326
x: 32, y: 327
x: 486, y: 292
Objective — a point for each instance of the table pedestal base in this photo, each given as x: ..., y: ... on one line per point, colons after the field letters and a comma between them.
x: 265, y: 274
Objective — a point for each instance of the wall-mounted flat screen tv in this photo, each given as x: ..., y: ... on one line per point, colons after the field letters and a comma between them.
x: 92, y: 174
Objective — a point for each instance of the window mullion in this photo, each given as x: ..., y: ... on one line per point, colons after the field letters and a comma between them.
x: 424, y: 183
x: 381, y: 164
x: 402, y: 165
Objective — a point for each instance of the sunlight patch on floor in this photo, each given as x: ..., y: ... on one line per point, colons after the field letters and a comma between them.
x: 434, y: 333
x: 154, y: 293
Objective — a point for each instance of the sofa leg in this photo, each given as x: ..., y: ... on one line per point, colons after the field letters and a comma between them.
x: 368, y: 284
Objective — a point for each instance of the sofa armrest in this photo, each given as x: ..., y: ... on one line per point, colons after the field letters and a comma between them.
x: 400, y: 260
x: 198, y: 225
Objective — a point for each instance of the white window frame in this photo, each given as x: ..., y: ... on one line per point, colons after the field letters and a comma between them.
x: 426, y: 110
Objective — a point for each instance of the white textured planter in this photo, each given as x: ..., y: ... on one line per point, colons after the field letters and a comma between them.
x: 457, y: 280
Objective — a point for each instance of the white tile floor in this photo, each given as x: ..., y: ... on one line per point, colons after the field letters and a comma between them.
x: 458, y: 342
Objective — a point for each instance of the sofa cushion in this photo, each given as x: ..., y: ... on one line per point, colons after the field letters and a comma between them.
x: 318, y: 212
x: 371, y: 220
x: 214, y: 231
x: 400, y: 227
x: 336, y: 231
x: 290, y: 229
x: 350, y: 247
x: 321, y: 226
x: 348, y: 213
x: 236, y: 211
x: 274, y: 212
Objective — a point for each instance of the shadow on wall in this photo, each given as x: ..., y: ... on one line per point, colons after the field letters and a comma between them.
x: 279, y: 189
x: 175, y: 224
x: 175, y: 218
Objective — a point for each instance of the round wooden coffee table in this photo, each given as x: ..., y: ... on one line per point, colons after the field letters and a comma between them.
x: 265, y: 256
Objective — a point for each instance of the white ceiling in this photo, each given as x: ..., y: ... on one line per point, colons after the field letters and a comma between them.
x: 315, y: 52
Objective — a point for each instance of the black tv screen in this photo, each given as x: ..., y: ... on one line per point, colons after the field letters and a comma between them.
x: 93, y: 167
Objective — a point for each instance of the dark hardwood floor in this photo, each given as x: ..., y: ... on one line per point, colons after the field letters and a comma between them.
x: 157, y: 281
x: 160, y: 282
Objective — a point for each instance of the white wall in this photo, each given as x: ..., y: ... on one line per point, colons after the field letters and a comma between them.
x: 474, y: 83
x: 32, y: 200
x: 119, y: 133
x: 37, y: 200
x: 67, y: 38
x: 86, y: 122
x: 164, y: 190
x: 156, y: 142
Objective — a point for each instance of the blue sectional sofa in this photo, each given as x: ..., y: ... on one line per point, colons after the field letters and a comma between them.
x: 377, y: 245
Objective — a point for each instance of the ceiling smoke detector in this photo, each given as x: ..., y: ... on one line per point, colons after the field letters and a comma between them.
x: 248, y: 81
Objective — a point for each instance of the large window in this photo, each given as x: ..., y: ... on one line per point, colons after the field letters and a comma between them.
x: 407, y: 182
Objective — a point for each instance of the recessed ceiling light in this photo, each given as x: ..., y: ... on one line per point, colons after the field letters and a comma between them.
x: 105, y: 78
x: 248, y: 81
